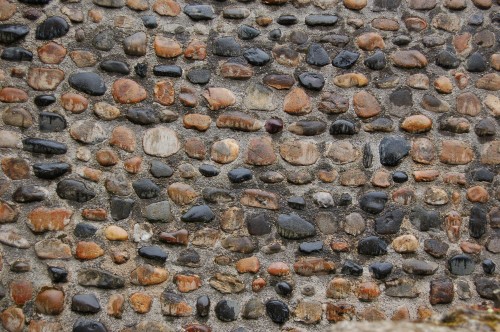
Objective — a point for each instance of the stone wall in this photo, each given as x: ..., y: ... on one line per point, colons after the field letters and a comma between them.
x: 246, y: 166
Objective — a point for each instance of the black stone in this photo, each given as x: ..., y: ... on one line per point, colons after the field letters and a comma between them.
x: 447, y: 60
x: 345, y: 199
x: 16, y: 54
x: 436, y: 248
x: 149, y: 21
x: 189, y: 257
x: 287, y: 20
x: 141, y: 69
x: 401, y: 97
x: 314, y: 20
x: 199, y: 76
x: 50, y: 171
x: 352, y: 269
x: 226, y: 310
x: 297, y: 202
x: 160, y: 170
x: 29, y: 193
x: 390, y: 222
x: 367, y: 156
x: 120, y: 207
x: 104, y: 40
x: 311, y: 247
x: 46, y: 146
x: 399, y: 177
x: 486, y: 287
x: 235, y: 13
x: 256, y: 56
x: 142, y: 116
x: 433, y: 41
x: 461, y: 265
x: 51, y: 122
x: 277, y: 311
x: 393, y: 149
x: 85, y: 304
x: 87, y: 82
x: 343, y: 127
x: 35, y: 2
x: 226, y: 46
x: 10, y: 33
x: 483, y: 174
x: 113, y: 66
x: 291, y: 226
x: 199, y: 12
x: 274, y: 34
x: 424, y: 219
x: 298, y: 37
x: 373, y: 202
x: 208, y: 170
x: 203, y: 306
x: 381, y: 270
x: 274, y: 125
x: 488, y: 266
x: 58, y: 274
x: 239, y: 175
x: 376, y: 61
x: 84, y: 230
x: 476, y: 63
x: 477, y: 222
x: 401, y: 40
x: 485, y: 127
x: 145, y: 188
x: 312, y: 81
x: 258, y: 224
x: 283, y: 288
x: 85, y: 325
x: 372, y: 246
x: 99, y: 279
x: 317, y: 55
x: 44, y: 100
x: 199, y: 213
x: 109, y: 3
x: 74, y: 190
x: 345, y: 59
x: 246, y: 32
x: 53, y: 27
x: 153, y: 252
x: 167, y: 70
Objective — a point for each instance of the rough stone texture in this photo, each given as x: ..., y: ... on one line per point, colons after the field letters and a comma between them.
x: 325, y: 160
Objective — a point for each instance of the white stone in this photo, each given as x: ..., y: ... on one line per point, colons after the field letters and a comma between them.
x: 161, y: 142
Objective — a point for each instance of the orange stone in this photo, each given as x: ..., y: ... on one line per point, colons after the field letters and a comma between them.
x: 167, y: 7
x: 95, y: 214
x: 21, y: 291
x: 278, y: 269
x: 51, y: 53
x: 13, y: 95
x: 50, y: 301
x: 196, y: 50
x: 164, y: 92
x: 133, y: 165
x: 426, y: 175
x: 166, y: 47
x: 88, y: 250
x: 367, y: 291
x: 219, y: 98
x: 307, y: 266
x: 199, y: 122
x: 106, y: 157
x: 339, y: 246
x: 297, y: 102
x: 249, y: 264
x: 456, y: 152
x: 370, y: 41
x: 126, y: 91
x: 258, y: 284
x: 91, y: 174
x: 366, y: 105
x: 471, y: 248
x: 123, y: 138
x: 43, y: 219
x: 417, y: 124
x: 477, y: 194
x: 74, y: 102
x: 140, y: 302
x: 187, y: 282
x: 181, y: 193
x: 146, y: 275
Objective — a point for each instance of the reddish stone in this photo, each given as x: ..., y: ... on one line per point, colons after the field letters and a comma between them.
x: 187, y: 282
x: 166, y: 47
x: 367, y: 291
x: 249, y: 264
x: 126, y: 91
x: 16, y: 168
x: 196, y: 50
x: 88, y: 250
x: 164, y: 92
x: 97, y: 214
x: 50, y: 301
x: 21, y: 291
x: 123, y: 138
x: 140, y: 302
x: 51, y: 53
x: 178, y: 237
x: 74, y: 102
x: 43, y: 219
x: 106, y: 157
x: 307, y: 266
x: 13, y: 95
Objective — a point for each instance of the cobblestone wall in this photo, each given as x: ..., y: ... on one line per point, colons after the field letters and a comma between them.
x: 246, y: 165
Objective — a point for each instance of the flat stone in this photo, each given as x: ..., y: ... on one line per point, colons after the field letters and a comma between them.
x: 294, y: 227
x: 87, y: 82
x: 85, y: 303
x: 99, y: 279
x: 409, y: 59
x: 419, y: 267
x: 300, y: 153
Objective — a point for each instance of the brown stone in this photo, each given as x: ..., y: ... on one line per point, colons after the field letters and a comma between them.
x: 43, y: 219
x: 114, y: 308
x: 489, y: 81
x: 367, y: 291
x: 404, y: 196
x: 91, y: 174
x: 259, y: 199
x: 415, y: 23
x: 51, y: 53
x: 139, y: 5
x: 106, y: 111
x: 126, y: 91
x: 195, y: 148
x: 260, y: 151
x: 308, y: 266
x: 490, y: 153
x: 166, y: 7
x: 146, y: 275
x: 454, y: 178
x: 468, y: 104
x: 44, y: 326
x: 461, y: 42
x: 205, y: 238
x: 237, y: 120
x: 16, y: 168
x: 342, y: 152
x: 226, y: 283
x: 441, y: 291
x: 405, y: 244
x: 181, y: 193
x: 418, y: 81
x: 17, y: 117
x: 454, y: 152
x: 44, y: 79
x: 21, y: 291
x: 417, y: 124
x: 187, y: 282
x: 338, y: 288
x: 196, y: 50
x: 372, y: 314
x: 478, y: 194
x: 366, y: 105
x: 107, y: 157
x: 174, y: 305
x: 452, y: 225
x: 436, y: 196
x: 164, y: 92
x: 225, y: 151
x: 447, y: 22
x: 309, y: 312
x: 279, y: 81
x: 7, y: 9
x: 219, y: 98
x: 401, y: 314
x: 341, y: 311
x: 299, y: 152
x: 286, y: 56
x: 385, y: 24
x: 370, y: 41
x: 120, y: 256
x: 13, y: 95
x: 423, y: 151
x: 123, y: 138
x: 83, y: 58
x: 297, y: 102
x: 166, y: 47
x: 49, y: 301
x: 471, y: 248
x: 350, y: 80
x: 495, y: 61
x: 327, y: 176
x: 236, y: 71
x: 88, y: 250
x: 52, y: 249
x: 180, y: 237
x: 74, y: 102
x: 426, y: 175
x: 249, y: 264
x: 199, y: 122
x: 443, y: 84
x: 278, y: 269
x: 188, y: 97
x: 12, y: 319
x: 140, y: 302
x: 115, y: 233
x: 409, y: 59
x: 353, y: 178
x: 98, y: 214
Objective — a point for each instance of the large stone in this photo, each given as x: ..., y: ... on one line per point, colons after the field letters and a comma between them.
x: 161, y: 142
